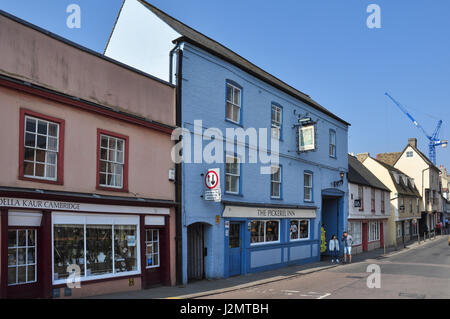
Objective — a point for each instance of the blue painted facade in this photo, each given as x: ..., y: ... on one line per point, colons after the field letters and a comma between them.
x: 204, y: 98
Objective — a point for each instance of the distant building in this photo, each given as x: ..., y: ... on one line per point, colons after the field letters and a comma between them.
x: 405, y: 201
x: 369, y: 207
x: 427, y: 179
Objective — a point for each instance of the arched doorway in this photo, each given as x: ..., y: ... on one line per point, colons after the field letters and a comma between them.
x: 196, y: 251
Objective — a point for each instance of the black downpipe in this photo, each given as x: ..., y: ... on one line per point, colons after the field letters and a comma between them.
x: 178, y: 175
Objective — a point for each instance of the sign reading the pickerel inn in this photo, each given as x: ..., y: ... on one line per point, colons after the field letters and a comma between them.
x: 256, y: 212
x: 81, y: 207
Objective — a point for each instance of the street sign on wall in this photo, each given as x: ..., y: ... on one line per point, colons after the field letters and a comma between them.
x: 212, y: 185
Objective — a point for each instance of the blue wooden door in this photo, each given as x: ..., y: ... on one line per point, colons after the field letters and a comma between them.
x: 235, y: 249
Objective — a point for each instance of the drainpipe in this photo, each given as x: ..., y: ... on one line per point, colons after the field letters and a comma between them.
x: 171, y: 63
x: 178, y: 167
x: 423, y: 195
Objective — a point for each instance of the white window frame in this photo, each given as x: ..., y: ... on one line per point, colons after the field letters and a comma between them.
x: 94, y: 219
x: 298, y: 230
x: 332, y: 144
x: 238, y: 175
x: 108, y: 161
x: 310, y: 188
x: 26, y: 264
x: 357, y: 239
x: 239, y: 106
x: 265, y: 233
x: 147, y: 242
x: 374, y: 231
x: 273, y: 181
x: 310, y: 146
x: 276, y: 124
x: 46, y: 150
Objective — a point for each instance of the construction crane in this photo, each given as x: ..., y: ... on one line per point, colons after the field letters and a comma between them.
x: 434, y: 141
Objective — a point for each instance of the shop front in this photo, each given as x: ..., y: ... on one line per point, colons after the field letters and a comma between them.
x: 259, y: 238
x: 57, y: 249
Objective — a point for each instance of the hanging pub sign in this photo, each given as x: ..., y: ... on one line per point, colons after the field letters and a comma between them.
x: 212, y: 185
x: 306, y: 138
x: 357, y: 203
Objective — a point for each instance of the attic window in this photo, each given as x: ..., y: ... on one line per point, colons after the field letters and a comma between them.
x: 397, y: 178
x: 409, y: 154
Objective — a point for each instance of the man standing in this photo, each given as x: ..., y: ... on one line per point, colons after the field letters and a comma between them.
x: 348, y: 242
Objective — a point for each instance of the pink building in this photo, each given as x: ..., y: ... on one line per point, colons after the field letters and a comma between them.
x: 84, y: 170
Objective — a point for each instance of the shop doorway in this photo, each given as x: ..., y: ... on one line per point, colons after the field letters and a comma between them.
x: 196, y: 251
x: 23, y: 263
x: 235, y: 249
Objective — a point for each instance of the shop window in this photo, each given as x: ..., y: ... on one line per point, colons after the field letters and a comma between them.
x: 299, y: 229
x: 152, y: 248
x: 234, y: 100
x: 111, y: 249
x: 275, y: 182
x: 22, y: 256
x: 407, y: 228
x: 41, y: 148
x: 264, y: 231
x: 232, y: 174
x: 276, y: 121
x: 355, y: 230
x: 112, y: 157
x: 374, y: 231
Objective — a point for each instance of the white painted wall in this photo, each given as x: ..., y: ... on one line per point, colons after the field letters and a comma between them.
x: 354, y: 212
x: 142, y: 40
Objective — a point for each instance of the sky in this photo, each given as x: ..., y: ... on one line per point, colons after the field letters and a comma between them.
x: 323, y: 48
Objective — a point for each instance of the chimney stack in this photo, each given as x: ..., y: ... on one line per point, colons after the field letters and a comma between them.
x: 362, y: 156
x: 412, y: 142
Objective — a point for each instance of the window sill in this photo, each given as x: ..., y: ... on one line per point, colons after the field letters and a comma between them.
x: 112, y: 189
x: 39, y: 180
x: 276, y: 198
x: 233, y: 194
x: 235, y: 123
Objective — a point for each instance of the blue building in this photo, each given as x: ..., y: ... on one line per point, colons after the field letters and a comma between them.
x: 263, y: 219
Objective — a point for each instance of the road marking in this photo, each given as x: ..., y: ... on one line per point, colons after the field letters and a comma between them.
x: 290, y: 291
x: 324, y: 296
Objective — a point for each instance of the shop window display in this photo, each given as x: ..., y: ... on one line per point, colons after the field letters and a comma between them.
x: 299, y: 229
x: 263, y: 231
x: 68, y: 249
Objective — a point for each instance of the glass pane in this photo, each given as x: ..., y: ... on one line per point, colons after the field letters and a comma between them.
x: 99, y: 249
x: 236, y: 111
x: 39, y: 170
x: 12, y: 238
x: 112, y: 143
x: 112, y: 155
x: 149, y: 249
x: 235, y: 236
x: 118, y: 180
x: 42, y: 127
x: 53, y: 130
x: 31, y: 125
x: 156, y: 259
x: 12, y: 257
x: 125, y: 248
x: 31, y: 237
x: 119, y: 157
x: 304, y: 229
x: 103, y: 154
x: 120, y: 145
x: 41, y: 141
x: 22, y: 237
x: 30, y: 140
x: 229, y: 93
x: 294, y: 229
x: 272, y: 231
x: 21, y: 256
x: 12, y: 276
x: 102, y: 179
x: 52, y: 144
x: 275, y: 190
x: 31, y: 274
x: 68, y: 249
x: 104, y: 141
x: 257, y: 232
x: 155, y: 235
x: 234, y: 187
x: 229, y: 111
x: 31, y: 256
x: 21, y: 274
x: 237, y: 97
x: 51, y: 171
x: 29, y: 154
x: 51, y: 158
x: 28, y: 168
x: 40, y: 156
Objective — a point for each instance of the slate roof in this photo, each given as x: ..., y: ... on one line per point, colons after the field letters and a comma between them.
x: 202, y: 41
x: 361, y: 175
x: 389, y: 158
x: 403, y: 189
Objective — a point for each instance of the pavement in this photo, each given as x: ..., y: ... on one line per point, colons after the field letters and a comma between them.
x: 247, y: 286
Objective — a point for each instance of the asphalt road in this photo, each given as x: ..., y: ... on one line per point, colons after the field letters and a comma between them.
x: 416, y: 273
